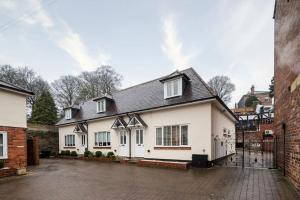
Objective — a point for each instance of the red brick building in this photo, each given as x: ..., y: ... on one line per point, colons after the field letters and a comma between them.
x: 13, y: 151
x: 287, y: 90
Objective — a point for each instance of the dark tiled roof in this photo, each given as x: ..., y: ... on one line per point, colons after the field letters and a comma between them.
x: 12, y: 87
x: 144, y: 96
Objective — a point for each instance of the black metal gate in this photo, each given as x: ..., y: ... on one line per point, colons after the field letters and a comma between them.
x: 254, y: 154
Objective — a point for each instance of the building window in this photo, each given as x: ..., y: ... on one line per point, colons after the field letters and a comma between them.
x: 69, y: 140
x: 176, y: 135
x: 101, y: 106
x: 173, y: 88
x: 68, y: 114
x: 3, y: 145
x: 123, y: 137
x: 102, y: 139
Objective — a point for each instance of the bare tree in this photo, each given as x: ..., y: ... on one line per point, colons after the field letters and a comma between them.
x: 222, y: 86
x: 103, y: 80
x: 66, y: 90
x: 25, y: 78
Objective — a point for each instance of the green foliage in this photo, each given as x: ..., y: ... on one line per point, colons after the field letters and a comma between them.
x: 88, y: 154
x: 74, y: 153
x: 62, y: 153
x: 1, y: 164
x: 98, y: 154
x: 44, y: 110
x: 252, y: 101
x: 45, y: 153
x: 110, y: 154
x: 67, y: 153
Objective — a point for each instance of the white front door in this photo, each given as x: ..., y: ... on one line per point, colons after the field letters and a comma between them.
x: 139, y: 143
x: 124, y: 143
x: 83, y: 143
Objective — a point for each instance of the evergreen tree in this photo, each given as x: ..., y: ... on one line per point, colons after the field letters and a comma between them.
x: 252, y: 101
x: 44, y: 110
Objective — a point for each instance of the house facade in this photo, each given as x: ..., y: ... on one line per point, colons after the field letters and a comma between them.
x: 170, y: 118
x: 287, y: 87
x: 13, y: 126
x: 263, y: 97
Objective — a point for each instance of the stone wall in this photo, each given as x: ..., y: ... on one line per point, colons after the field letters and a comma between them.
x: 17, y: 148
x: 48, y: 136
x: 287, y: 96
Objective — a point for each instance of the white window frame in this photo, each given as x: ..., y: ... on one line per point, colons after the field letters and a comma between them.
x: 99, y: 139
x: 4, y: 145
x: 83, y: 140
x: 68, y: 113
x: 70, y: 140
x: 101, y: 106
x: 171, y: 83
x: 180, y: 136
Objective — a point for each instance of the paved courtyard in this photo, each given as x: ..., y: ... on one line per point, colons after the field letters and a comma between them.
x: 74, y: 179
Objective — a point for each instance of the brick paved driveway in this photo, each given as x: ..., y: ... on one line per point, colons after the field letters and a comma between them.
x: 74, y: 179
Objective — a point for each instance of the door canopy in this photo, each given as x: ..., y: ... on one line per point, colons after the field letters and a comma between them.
x: 80, y: 128
x: 136, y: 121
x: 119, y: 123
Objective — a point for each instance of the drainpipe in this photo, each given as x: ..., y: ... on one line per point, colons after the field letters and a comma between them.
x: 87, y: 136
x: 284, y: 132
x: 129, y: 134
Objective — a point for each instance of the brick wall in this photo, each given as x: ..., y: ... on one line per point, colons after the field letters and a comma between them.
x: 254, y: 135
x: 17, y: 151
x: 287, y: 102
x: 48, y: 136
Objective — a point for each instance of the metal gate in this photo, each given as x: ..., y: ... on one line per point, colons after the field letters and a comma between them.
x: 254, y: 153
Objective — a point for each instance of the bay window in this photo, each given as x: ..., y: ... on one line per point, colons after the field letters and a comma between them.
x: 176, y: 135
x: 102, y: 138
x: 69, y: 140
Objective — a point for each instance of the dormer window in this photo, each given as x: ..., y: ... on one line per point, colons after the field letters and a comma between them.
x: 173, y: 88
x: 101, y: 106
x: 68, y: 113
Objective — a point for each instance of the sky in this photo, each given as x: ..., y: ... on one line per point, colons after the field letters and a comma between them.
x: 142, y: 39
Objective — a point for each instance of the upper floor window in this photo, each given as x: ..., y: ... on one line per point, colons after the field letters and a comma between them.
x: 173, y: 88
x: 101, y: 106
x: 68, y: 114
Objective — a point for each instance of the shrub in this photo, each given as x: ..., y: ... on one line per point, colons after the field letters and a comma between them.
x: 98, y: 154
x: 88, y: 154
x: 67, y: 153
x: 62, y: 153
x: 45, y: 153
x: 1, y: 164
x: 110, y: 154
x: 74, y: 153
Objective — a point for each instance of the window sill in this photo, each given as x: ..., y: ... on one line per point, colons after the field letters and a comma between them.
x: 69, y: 147
x: 101, y: 147
x: 172, y: 148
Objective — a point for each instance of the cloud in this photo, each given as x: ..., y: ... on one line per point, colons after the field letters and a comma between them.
x: 8, y: 4
x: 172, y: 45
x: 246, y: 42
x: 60, y: 32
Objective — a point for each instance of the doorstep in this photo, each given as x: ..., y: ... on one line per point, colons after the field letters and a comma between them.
x: 163, y: 164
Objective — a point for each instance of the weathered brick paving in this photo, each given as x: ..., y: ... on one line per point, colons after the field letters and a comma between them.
x: 75, y: 179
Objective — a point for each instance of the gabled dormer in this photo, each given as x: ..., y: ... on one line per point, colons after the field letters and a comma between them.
x: 103, y: 102
x: 70, y: 111
x: 174, y: 84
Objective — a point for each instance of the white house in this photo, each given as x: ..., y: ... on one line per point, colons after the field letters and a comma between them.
x: 169, y: 118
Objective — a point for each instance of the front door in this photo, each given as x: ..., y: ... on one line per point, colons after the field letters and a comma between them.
x: 123, y: 143
x: 83, y: 143
x: 139, y: 143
